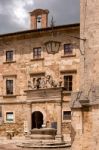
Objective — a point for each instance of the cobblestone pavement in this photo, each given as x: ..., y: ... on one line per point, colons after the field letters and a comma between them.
x: 9, y: 147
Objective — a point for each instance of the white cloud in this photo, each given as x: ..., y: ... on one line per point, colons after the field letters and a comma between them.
x: 1, y: 10
x: 14, y: 14
x: 29, y: 2
x: 21, y: 14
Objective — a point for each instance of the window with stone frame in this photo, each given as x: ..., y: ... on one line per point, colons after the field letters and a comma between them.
x: 68, y: 49
x: 66, y: 115
x: 9, y: 86
x: 0, y: 111
x: 1, y: 117
x: 9, y: 56
x: 9, y: 116
x: 68, y: 82
x: 36, y: 52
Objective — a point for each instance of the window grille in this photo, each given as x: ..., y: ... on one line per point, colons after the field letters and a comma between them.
x: 9, y: 86
x: 37, y: 52
x: 9, y: 55
x: 68, y: 83
x: 68, y: 49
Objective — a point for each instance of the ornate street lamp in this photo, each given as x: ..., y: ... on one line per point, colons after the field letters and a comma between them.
x: 52, y: 46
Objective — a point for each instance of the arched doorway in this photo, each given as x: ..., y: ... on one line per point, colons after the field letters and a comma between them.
x: 37, y: 119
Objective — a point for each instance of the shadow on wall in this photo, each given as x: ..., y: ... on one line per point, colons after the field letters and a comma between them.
x: 73, y: 134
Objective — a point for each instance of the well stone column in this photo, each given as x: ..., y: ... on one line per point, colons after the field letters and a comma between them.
x: 59, y: 121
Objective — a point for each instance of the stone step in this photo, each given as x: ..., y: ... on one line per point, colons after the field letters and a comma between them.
x: 43, y: 144
x: 39, y: 136
x: 33, y: 145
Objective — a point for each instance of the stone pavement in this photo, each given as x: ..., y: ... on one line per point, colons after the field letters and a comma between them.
x: 9, y: 147
x: 6, y: 144
x: 10, y: 144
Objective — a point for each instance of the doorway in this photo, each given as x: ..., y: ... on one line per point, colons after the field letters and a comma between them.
x: 37, y: 119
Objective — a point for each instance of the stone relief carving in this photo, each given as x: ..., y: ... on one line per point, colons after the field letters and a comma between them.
x: 44, y: 82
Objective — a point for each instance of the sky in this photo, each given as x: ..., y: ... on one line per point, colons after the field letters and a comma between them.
x: 14, y: 14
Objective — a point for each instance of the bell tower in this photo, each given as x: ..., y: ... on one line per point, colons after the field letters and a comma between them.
x: 85, y: 102
x: 39, y: 18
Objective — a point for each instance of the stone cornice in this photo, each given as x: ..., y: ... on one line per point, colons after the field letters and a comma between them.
x: 37, y: 32
x: 37, y: 12
x: 72, y: 71
x: 13, y: 103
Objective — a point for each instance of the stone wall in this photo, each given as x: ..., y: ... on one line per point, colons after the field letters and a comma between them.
x: 85, y: 110
x: 24, y: 66
x: 17, y: 125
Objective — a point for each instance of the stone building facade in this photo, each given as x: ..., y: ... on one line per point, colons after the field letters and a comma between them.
x: 39, y: 68
x: 85, y: 103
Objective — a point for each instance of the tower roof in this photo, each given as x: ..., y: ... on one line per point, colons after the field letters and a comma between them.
x: 37, y: 12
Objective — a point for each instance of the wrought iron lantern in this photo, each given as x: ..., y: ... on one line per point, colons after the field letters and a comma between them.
x: 52, y: 46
